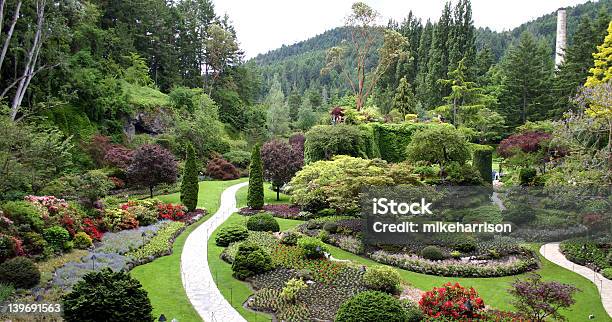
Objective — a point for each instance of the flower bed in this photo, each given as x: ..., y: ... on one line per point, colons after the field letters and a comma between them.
x: 460, y: 256
x: 281, y: 211
x: 160, y: 245
x: 457, y: 268
x: 313, y: 302
x: 593, y: 254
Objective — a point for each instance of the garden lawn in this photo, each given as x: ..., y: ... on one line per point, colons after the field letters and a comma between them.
x: 269, y: 196
x: 162, y: 278
x: 235, y: 291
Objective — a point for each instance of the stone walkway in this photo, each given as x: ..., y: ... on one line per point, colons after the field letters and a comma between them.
x: 197, y: 279
x: 552, y: 253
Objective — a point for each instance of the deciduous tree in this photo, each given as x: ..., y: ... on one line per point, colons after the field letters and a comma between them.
x: 280, y: 163
x: 152, y: 165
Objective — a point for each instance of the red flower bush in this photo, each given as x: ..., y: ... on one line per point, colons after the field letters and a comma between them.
x: 219, y: 168
x: 171, y: 212
x: 90, y: 227
x: 527, y: 142
x: 453, y: 301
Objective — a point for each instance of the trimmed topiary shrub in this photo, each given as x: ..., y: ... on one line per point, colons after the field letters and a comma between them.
x: 291, y: 289
x: 527, y: 176
x: 56, y: 237
x: 255, y: 197
x: 413, y: 312
x: 382, y: 278
x: 231, y: 234
x: 263, y: 222
x: 190, y: 186
x: 371, y: 306
x: 250, y: 260
x: 289, y: 238
x: 19, y: 272
x: 312, y: 247
x: 82, y: 240
x: 325, y: 141
x: 607, y: 273
x: 432, y: 253
x: 482, y: 160
x: 330, y: 227
x: 115, y: 296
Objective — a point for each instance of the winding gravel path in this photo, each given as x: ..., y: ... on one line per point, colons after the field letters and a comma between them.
x: 197, y: 279
x: 551, y: 252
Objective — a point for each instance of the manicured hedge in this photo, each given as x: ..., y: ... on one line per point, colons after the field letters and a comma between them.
x: 482, y: 159
x: 371, y: 306
x: 391, y: 140
x: 372, y: 140
x: 325, y: 141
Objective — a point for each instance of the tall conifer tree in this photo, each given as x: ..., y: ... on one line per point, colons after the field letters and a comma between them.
x: 255, y: 197
x: 189, y: 186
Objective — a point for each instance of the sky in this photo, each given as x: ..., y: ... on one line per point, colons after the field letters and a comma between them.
x: 263, y: 25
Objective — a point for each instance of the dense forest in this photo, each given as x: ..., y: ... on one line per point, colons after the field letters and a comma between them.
x: 298, y: 65
x: 80, y: 76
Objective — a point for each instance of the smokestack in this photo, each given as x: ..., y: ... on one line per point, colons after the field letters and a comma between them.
x: 561, y: 37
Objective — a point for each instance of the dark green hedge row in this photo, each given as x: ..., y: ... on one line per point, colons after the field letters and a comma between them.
x: 373, y: 140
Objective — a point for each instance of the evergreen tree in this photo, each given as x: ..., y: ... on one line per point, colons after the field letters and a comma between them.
x: 190, y: 186
x: 578, y: 61
x: 404, y: 100
x: 255, y: 197
x: 602, y: 71
x: 306, y: 117
x: 423, y: 61
x: 465, y: 98
x: 294, y: 101
x: 462, y: 40
x: 527, y: 73
x: 438, y: 60
x: 277, y: 116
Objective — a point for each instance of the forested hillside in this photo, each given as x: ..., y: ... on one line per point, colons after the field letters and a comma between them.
x: 300, y: 63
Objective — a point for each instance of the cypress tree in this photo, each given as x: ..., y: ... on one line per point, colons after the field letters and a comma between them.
x: 255, y: 197
x: 438, y: 60
x: 189, y: 185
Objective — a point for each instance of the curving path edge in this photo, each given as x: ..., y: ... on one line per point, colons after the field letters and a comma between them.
x: 552, y: 252
x: 195, y: 272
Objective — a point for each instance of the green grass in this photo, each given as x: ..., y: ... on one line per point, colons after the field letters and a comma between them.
x: 269, y: 196
x: 235, y: 291
x: 145, y: 97
x: 161, y: 278
x: 492, y: 290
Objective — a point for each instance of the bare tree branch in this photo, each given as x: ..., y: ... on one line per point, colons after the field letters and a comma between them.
x: 9, y: 34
